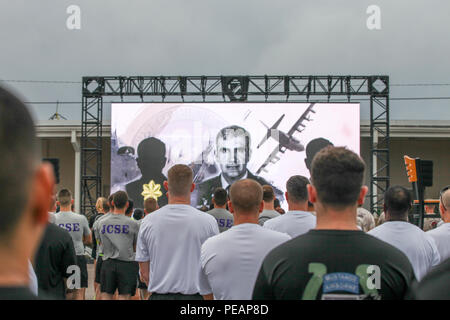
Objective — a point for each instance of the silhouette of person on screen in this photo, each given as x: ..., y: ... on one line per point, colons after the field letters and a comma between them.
x: 151, y: 160
x: 232, y: 154
x: 313, y: 147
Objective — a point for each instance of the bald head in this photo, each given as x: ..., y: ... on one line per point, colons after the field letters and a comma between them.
x: 246, y: 196
x: 179, y: 179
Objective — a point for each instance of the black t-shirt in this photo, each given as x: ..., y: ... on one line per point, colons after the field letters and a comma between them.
x: 334, y: 264
x: 16, y: 293
x: 56, y: 253
x: 435, y: 285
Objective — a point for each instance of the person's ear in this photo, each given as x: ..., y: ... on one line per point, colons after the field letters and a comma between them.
x: 166, y: 185
x: 312, y: 193
x: 362, y: 195
x: 230, y: 207
x: 42, y: 193
x: 261, y: 207
x: 192, y: 187
x: 286, y: 196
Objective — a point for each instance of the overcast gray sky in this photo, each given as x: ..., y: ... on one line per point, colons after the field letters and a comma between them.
x: 211, y: 37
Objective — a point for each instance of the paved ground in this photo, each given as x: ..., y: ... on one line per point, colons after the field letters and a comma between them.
x: 90, y: 293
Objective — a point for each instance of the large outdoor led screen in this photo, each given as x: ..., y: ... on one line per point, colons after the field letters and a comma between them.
x: 222, y: 142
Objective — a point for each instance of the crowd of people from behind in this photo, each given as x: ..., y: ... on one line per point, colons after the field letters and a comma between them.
x: 326, y: 246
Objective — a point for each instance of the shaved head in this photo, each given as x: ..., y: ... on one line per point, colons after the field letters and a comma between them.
x: 446, y: 199
x: 246, y: 196
x: 179, y: 179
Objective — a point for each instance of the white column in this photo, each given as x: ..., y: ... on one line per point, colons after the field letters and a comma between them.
x: 76, y: 147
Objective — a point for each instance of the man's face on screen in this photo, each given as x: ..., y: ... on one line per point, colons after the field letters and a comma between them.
x: 231, y: 154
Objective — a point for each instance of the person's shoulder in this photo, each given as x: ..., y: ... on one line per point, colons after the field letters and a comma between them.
x: 377, y: 230
x: 274, y: 235
x: 215, y: 242
x: 204, y: 216
x: 390, y: 252
x: 434, y: 286
x: 274, y: 222
x: 133, y: 222
x: 59, y: 232
x: 442, y: 229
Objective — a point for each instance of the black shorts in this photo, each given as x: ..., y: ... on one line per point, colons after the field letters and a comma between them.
x: 81, y: 262
x: 120, y: 275
x: 98, y: 268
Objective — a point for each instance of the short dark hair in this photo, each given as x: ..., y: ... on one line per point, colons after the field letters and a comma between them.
x: 397, y: 201
x: 268, y: 194
x: 138, y: 214
x: 220, y: 196
x: 19, y: 158
x: 120, y: 199
x: 296, y: 188
x: 246, y: 195
x: 337, y: 174
x: 64, y: 197
x: 179, y: 178
x: 130, y: 208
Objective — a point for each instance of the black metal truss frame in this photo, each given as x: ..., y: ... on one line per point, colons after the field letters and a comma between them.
x: 233, y: 89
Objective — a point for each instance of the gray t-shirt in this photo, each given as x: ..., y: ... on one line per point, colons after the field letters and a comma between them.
x: 118, y: 235
x: 97, y: 233
x: 266, y: 215
x: 77, y: 225
x: 223, y: 217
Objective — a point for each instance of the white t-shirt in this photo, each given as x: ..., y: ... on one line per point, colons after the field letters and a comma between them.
x: 231, y: 261
x: 441, y: 236
x: 417, y: 245
x: 294, y: 223
x: 33, y: 279
x: 171, y: 239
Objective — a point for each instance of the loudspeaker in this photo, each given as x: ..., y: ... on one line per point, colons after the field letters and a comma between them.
x: 426, y: 172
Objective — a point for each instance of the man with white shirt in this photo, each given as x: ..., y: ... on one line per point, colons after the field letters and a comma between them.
x: 230, y: 261
x: 170, y: 240
x: 441, y: 234
x: 418, y: 246
x: 297, y: 220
